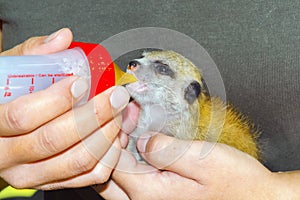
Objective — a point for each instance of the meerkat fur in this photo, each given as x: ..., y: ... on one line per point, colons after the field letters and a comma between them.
x: 173, y: 100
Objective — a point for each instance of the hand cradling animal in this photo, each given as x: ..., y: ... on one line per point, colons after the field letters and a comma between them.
x: 173, y: 100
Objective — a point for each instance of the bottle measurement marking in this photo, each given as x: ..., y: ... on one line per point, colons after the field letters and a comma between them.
x: 33, y: 80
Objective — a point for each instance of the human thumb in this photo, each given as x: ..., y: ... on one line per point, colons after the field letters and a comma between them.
x: 161, y: 150
x: 55, y: 42
x: 187, y: 158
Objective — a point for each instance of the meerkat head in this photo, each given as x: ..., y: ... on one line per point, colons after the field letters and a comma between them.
x: 164, y: 76
x: 168, y: 91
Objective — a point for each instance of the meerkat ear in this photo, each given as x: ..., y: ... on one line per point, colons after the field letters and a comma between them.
x: 192, y: 92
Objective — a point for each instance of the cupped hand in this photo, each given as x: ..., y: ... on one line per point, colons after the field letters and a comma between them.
x: 181, y: 169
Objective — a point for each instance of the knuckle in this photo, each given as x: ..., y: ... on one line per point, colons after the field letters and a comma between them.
x: 100, y: 177
x: 17, y: 178
x: 27, y: 48
x: 60, y: 94
x: 83, y: 162
x: 20, y: 183
x: 155, y: 144
x: 15, y: 119
x: 101, y: 118
x: 112, y: 130
x: 55, y: 186
x: 46, y: 141
x: 103, y: 110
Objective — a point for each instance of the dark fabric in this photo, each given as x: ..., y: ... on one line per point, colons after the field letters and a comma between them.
x: 86, y: 193
x: 255, y: 45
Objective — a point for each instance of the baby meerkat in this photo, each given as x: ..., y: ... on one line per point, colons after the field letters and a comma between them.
x: 173, y: 100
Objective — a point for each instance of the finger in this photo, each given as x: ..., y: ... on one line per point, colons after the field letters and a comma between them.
x: 140, y: 181
x: 123, y: 139
x: 129, y: 173
x: 55, y: 42
x: 198, y: 160
x: 28, y: 112
x: 80, y: 159
x: 99, y: 174
x: 128, y: 164
x: 130, y: 118
x: 111, y: 190
x: 66, y: 130
x: 187, y: 158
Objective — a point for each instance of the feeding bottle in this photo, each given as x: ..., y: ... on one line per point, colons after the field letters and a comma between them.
x: 21, y: 75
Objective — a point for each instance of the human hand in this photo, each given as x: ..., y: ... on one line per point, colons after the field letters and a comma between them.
x: 45, y: 144
x: 191, y: 170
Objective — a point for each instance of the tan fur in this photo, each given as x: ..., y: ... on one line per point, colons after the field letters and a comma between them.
x: 234, y: 128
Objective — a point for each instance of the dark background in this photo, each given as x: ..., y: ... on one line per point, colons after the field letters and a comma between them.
x: 255, y: 44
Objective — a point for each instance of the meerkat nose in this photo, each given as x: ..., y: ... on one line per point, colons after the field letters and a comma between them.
x: 133, y: 65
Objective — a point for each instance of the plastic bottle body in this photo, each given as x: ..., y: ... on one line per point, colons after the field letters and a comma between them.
x: 21, y: 75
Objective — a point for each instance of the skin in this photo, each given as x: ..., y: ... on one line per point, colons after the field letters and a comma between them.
x: 52, y: 151
x: 225, y: 173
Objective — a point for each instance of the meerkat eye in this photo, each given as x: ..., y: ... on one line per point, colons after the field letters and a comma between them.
x: 163, y: 69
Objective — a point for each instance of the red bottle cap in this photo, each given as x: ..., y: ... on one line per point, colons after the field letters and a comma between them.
x: 101, y: 66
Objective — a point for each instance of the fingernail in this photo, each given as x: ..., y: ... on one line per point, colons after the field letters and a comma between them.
x: 119, y: 98
x: 142, y: 142
x: 79, y: 87
x: 52, y: 36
